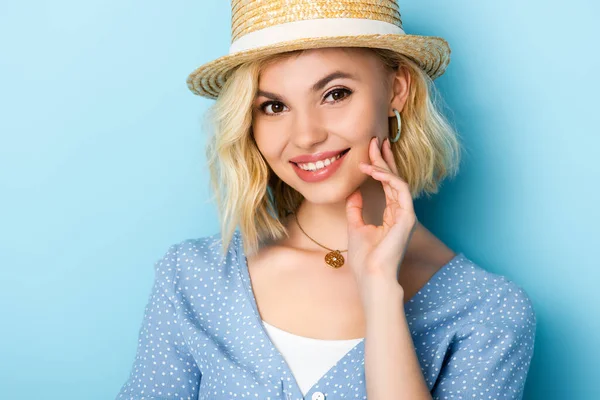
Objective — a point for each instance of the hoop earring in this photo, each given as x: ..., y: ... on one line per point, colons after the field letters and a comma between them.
x: 395, y: 139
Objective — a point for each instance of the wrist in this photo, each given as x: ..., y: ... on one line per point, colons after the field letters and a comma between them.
x: 379, y: 289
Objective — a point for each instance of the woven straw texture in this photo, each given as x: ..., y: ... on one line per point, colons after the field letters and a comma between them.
x: 430, y: 52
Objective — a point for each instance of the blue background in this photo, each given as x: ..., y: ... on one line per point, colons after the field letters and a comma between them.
x: 102, y: 168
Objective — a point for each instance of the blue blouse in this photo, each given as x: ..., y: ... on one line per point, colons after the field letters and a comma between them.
x: 202, y: 336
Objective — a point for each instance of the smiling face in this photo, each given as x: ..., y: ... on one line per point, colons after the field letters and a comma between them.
x: 319, y: 103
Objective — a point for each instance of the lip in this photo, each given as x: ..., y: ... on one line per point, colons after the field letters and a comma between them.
x: 316, y: 157
x: 321, y: 174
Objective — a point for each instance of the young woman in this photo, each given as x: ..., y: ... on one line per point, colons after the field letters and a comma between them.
x: 322, y: 283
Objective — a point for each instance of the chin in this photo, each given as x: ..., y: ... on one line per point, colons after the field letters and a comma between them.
x: 332, y: 191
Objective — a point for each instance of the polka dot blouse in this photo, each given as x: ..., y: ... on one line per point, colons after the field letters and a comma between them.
x: 202, y: 337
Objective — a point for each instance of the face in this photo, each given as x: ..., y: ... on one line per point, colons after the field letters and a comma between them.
x: 315, y: 114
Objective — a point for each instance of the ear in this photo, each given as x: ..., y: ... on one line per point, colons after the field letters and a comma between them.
x: 401, y: 81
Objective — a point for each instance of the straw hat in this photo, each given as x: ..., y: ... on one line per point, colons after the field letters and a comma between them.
x: 265, y: 27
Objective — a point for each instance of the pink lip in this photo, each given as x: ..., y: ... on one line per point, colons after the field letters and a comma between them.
x: 316, y: 157
x: 321, y: 174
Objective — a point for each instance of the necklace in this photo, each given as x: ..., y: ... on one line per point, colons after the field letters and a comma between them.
x: 334, y: 258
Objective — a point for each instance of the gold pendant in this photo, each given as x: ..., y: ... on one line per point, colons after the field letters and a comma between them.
x: 334, y: 259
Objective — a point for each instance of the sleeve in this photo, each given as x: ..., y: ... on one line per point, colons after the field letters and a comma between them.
x: 163, y: 367
x: 490, y: 359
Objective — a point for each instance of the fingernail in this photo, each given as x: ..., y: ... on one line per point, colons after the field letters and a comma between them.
x: 387, y: 142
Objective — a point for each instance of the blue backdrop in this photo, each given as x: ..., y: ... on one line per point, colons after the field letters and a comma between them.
x: 100, y: 138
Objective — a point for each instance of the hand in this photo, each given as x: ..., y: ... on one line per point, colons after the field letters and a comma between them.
x: 379, y: 250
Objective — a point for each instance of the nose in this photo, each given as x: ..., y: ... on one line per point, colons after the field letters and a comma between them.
x: 307, y: 130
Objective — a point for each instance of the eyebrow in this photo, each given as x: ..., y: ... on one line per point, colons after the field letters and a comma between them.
x: 320, y: 84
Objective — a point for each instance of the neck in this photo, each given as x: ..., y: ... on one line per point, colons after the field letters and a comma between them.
x: 327, y: 223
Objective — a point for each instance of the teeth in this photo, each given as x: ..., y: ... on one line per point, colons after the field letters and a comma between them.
x: 319, y: 164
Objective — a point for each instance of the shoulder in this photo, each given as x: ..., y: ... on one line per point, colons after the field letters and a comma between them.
x: 195, y: 258
x: 502, y: 295
x: 490, y: 324
x: 465, y: 293
x: 493, y: 300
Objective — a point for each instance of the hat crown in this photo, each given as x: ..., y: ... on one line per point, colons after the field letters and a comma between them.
x: 252, y: 15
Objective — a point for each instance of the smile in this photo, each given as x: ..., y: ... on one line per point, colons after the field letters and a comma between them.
x: 319, y: 170
x: 320, y: 164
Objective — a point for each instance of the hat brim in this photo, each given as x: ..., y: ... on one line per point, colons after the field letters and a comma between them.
x: 431, y: 53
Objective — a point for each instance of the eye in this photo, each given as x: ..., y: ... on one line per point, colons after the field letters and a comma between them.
x: 339, y: 94
x: 276, y: 107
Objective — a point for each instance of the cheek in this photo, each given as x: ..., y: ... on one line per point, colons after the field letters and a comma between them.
x: 358, y: 129
x: 269, y: 143
x: 358, y: 123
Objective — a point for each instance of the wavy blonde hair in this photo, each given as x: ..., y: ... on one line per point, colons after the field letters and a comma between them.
x: 248, y: 193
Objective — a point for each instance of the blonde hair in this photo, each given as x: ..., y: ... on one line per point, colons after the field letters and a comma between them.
x: 248, y: 193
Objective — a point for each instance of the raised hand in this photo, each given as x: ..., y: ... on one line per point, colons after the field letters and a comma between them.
x: 379, y: 250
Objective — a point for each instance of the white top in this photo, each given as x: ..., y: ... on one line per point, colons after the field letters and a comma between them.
x: 308, y: 358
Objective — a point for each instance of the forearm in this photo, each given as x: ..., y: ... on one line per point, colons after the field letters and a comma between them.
x: 392, y: 369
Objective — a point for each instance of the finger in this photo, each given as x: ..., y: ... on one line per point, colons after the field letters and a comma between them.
x: 368, y: 168
x: 400, y: 186
x: 388, y: 156
x: 354, y: 206
x: 375, y: 155
x: 390, y: 192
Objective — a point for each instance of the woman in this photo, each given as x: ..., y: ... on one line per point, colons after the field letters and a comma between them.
x: 325, y: 131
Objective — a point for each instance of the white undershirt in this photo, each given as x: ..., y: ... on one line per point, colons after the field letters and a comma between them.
x: 308, y: 358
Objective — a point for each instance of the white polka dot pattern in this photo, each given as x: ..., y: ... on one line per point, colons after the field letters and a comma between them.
x: 202, y: 337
